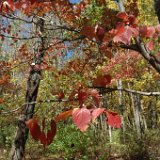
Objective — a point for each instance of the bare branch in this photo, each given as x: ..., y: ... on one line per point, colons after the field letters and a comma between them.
x: 38, y: 102
x: 109, y: 89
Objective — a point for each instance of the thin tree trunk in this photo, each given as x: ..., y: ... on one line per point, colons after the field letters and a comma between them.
x: 136, y: 112
x: 18, y: 147
x: 143, y: 116
x: 110, y: 134
x: 121, y: 106
x: 156, y: 114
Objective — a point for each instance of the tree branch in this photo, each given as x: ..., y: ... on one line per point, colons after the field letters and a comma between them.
x: 140, y: 46
x: 38, y: 102
x: 109, y: 89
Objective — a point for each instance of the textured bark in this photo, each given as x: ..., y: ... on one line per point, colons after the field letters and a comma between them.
x: 18, y: 147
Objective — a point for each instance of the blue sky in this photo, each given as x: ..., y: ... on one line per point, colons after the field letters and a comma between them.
x: 74, y: 1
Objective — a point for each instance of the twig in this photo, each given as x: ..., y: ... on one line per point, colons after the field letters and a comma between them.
x: 38, y: 102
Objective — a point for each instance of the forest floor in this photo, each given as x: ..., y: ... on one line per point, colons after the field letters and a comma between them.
x: 4, y: 155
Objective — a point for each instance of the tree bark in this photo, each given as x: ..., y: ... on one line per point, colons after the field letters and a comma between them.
x: 18, y: 147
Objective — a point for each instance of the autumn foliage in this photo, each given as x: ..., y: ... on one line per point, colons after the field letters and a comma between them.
x: 103, y: 51
x: 38, y: 134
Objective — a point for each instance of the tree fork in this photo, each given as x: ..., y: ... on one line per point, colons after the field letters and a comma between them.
x: 18, y: 147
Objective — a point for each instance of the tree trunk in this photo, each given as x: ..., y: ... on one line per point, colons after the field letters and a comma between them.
x: 18, y: 147
x: 121, y: 107
x: 136, y: 112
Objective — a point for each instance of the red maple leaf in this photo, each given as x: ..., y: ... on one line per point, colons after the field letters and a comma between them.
x: 146, y: 31
x: 34, y: 128
x: 6, y: 6
x: 89, y: 32
x: 97, y: 112
x: 63, y: 115
x: 95, y: 95
x: 82, y: 96
x: 122, y: 15
x: 51, y: 133
x: 125, y: 37
x: 113, y: 119
x: 43, y: 138
x: 150, y: 45
x: 102, y: 81
x: 37, y: 134
x: 100, y: 33
x: 81, y: 117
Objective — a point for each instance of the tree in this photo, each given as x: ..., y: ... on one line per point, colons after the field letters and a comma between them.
x: 60, y: 25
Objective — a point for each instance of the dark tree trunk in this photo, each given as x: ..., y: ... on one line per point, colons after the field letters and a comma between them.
x: 18, y: 147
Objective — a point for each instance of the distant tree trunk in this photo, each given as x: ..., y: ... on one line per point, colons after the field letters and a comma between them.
x: 143, y: 116
x: 110, y: 134
x: 18, y: 147
x: 156, y: 113
x: 137, y: 115
x: 136, y: 112
x: 152, y: 114
x: 121, y: 107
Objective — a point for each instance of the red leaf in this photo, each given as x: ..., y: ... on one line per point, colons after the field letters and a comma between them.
x: 22, y: 4
x: 146, y: 31
x: 102, y: 81
x: 81, y: 117
x: 53, y: 126
x: 61, y: 95
x: 100, y: 33
x: 6, y: 6
x: 34, y: 128
x: 43, y: 138
x: 120, y: 29
x: 82, y: 96
x: 32, y: 1
x: 122, y: 15
x: 63, y: 115
x: 95, y: 95
x: 132, y: 20
x: 113, y: 119
x: 36, y: 133
x: 51, y: 133
x: 50, y: 136
x: 96, y: 112
x: 126, y: 36
x: 150, y: 45
x: 89, y: 32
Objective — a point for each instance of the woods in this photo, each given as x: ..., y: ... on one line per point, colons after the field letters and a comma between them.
x: 79, y: 80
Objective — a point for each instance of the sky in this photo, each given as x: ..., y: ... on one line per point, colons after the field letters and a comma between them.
x: 74, y: 1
